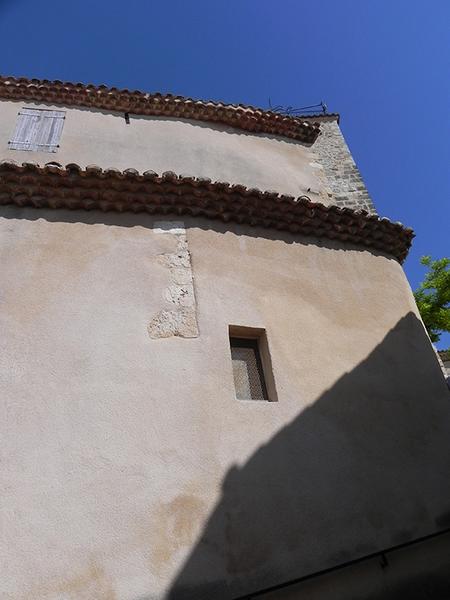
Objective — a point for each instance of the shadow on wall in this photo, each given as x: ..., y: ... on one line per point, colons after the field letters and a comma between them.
x: 366, y: 467
x: 128, y: 219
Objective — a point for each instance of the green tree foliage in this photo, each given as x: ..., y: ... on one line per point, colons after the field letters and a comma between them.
x: 433, y: 296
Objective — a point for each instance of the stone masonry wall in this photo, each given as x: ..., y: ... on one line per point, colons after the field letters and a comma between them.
x: 343, y: 179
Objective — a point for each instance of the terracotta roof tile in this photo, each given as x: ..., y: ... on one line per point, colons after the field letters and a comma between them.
x: 53, y: 186
x: 240, y: 116
x: 322, y: 116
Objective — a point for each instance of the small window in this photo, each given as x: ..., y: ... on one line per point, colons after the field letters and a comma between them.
x: 38, y: 130
x: 252, y: 369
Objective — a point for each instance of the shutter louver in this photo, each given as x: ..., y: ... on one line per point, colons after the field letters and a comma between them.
x: 38, y: 130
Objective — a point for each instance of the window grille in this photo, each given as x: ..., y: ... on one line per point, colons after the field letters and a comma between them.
x: 38, y: 130
x: 247, y: 369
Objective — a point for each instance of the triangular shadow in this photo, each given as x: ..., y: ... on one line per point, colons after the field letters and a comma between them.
x: 364, y: 468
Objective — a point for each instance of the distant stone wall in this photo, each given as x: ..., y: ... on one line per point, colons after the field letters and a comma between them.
x: 444, y: 359
x: 447, y: 368
x: 346, y: 186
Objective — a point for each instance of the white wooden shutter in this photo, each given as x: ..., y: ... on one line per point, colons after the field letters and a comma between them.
x: 50, y: 130
x: 27, y: 121
x: 38, y: 130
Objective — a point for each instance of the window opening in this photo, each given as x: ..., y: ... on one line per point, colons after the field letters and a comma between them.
x: 251, y: 364
x: 247, y: 370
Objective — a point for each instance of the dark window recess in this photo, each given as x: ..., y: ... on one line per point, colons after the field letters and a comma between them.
x: 247, y: 369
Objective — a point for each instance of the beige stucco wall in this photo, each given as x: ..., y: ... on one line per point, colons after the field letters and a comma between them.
x: 188, y: 147
x: 129, y: 469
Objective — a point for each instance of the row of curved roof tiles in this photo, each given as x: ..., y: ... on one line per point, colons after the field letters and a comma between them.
x: 242, y: 116
x: 55, y: 186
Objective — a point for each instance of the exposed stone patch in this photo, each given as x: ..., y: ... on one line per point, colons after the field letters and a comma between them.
x: 180, y: 317
x: 180, y: 322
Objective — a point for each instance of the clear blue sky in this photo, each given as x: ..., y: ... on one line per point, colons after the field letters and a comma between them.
x: 382, y: 64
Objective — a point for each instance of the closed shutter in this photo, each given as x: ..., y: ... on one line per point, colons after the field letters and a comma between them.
x: 38, y: 130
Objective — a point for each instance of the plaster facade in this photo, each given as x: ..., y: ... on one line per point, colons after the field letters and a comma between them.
x: 120, y: 448
x: 130, y: 471
x: 325, y: 172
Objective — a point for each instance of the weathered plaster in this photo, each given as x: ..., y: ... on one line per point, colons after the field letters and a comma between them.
x: 325, y: 171
x: 194, y: 148
x: 132, y: 454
